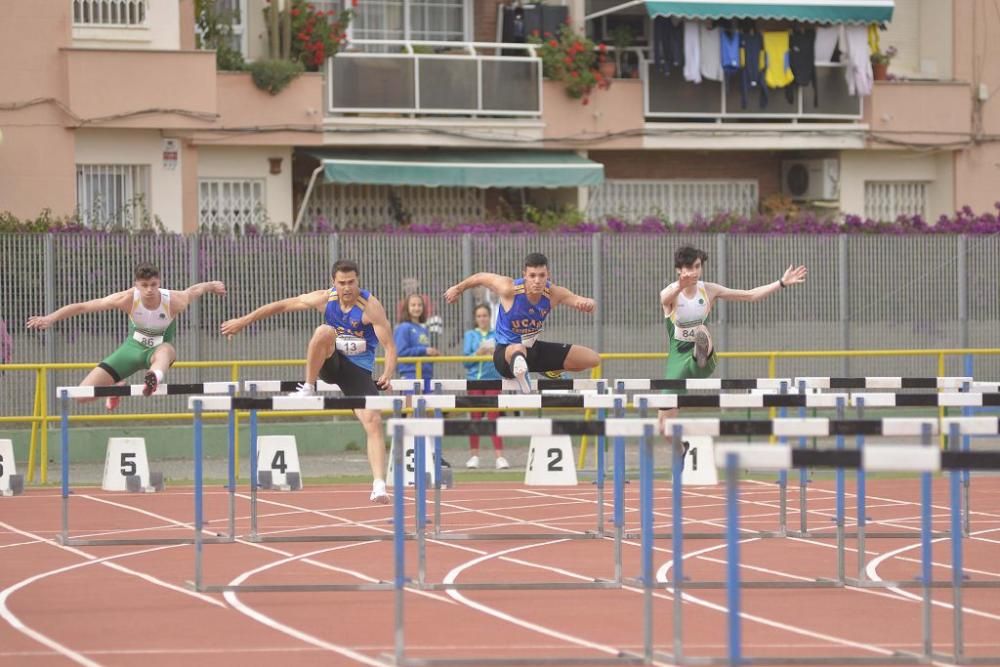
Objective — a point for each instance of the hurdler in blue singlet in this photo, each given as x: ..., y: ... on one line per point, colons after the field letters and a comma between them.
x: 350, y: 330
x: 524, y: 321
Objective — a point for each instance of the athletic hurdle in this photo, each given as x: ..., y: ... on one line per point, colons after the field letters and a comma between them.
x: 643, y: 429
x: 65, y: 393
x: 925, y: 459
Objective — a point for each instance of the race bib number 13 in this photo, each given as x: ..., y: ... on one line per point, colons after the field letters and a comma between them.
x: 350, y: 346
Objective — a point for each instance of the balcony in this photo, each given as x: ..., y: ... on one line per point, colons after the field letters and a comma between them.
x: 925, y: 113
x: 469, y: 79
x: 142, y: 88
x: 673, y: 98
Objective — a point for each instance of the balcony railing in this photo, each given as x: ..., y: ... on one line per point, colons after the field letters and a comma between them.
x: 110, y: 13
x: 464, y: 81
x: 671, y: 97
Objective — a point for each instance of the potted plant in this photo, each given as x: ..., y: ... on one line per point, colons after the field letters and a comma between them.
x: 621, y: 38
x: 880, y: 63
x: 571, y: 58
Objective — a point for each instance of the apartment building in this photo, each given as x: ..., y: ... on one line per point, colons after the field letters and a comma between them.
x: 107, y: 107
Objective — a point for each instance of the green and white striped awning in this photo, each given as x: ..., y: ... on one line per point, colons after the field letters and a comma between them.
x: 454, y: 168
x: 818, y: 11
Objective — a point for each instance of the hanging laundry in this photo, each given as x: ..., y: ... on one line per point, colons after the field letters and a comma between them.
x: 873, y: 38
x: 692, y: 52
x: 778, y: 71
x: 859, y: 64
x: 802, y: 59
x: 827, y: 37
x: 753, y: 62
x: 668, y: 43
x: 711, y: 55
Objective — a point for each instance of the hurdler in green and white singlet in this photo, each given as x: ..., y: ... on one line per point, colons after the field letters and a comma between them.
x: 688, y: 314
x: 148, y: 328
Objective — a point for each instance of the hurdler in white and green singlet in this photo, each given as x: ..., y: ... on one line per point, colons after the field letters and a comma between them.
x: 688, y: 314
x: 148, y: 328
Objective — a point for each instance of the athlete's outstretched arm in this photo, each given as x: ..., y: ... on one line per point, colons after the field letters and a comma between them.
x: 561, y: 295
x: 309, y: 301
x: 118, y: 300
x: 502, y: 285
x: 375, y: 314
x: 793, y: 276
x: 180, y: 300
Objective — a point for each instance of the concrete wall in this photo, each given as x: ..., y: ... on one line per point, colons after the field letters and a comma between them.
x: 252, y: 162
x: 145, y: 147
x: 36, y: 154
x: 977, y: 60
x: 857, y: 167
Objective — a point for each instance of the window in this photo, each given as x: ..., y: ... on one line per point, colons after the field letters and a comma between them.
x: 437, y: 20
x: 110, y: 12
x: 676, y: 201
x: 887, y: 200
x: 112, y: 194
x: 226, y: 204
x: 233, y: 11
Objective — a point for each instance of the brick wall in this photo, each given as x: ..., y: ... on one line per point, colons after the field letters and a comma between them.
x: 485, y: 20
x: 764, y: 166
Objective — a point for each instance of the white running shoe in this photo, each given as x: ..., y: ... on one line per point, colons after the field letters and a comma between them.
x: 520, y: 368
x: 473, y: 461
x: 701, y: 348
x: 502, y: 463
x: 379, y: 495
x: 304, y: 389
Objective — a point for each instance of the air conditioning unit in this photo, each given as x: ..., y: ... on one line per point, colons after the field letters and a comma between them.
x: 811, y: 179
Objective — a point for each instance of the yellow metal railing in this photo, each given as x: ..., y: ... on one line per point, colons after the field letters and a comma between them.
x: 40, y: 417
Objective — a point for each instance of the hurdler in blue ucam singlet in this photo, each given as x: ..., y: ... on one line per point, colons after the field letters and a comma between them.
x: 355, y: 340
x: 524, y: 321
x: 524, y: 305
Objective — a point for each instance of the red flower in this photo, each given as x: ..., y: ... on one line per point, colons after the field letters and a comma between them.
x: 355, y: 3
x: 568, y: 60
x: 535, y: 33
x: 295, y: 12
x: 575, y: 75
x: 602, y: 47
x: 553, y: 43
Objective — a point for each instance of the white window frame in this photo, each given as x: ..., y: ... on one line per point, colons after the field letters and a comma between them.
x: 887, y: 200
x: 231, y: 211
x: 116, y: 192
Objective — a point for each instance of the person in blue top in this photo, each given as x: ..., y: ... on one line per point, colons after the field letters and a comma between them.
x: 481, y: 341
x: 413, y: 340
x: 524, y: 305
x: 342, y: 350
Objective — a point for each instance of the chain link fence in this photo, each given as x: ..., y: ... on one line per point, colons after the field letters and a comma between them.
x: 863, y: 292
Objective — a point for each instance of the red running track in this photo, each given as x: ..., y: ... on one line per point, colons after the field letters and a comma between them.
x: 129, y: 605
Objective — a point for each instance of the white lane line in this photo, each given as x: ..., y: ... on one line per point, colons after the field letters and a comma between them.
x: 872, y: 571
x: 528, y: 625
x: 302, y: 636
x: 15, y: 622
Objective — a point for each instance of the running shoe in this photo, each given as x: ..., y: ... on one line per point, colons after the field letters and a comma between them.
x: 379, y: 495
x: 303, y: 389
x: 701, y: 344
x: 150, y: 383
x: 502, y: 463
x: 473, y: 462
x: 111, y: 402
x: 520, y: 368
